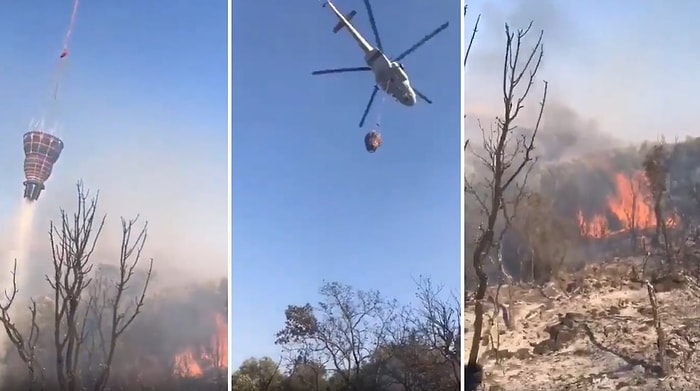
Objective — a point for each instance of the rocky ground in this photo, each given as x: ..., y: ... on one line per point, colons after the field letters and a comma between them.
x: 592, y: 330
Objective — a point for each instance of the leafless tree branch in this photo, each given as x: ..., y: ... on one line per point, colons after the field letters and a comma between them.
x: 111, y: 300
x: 72, y: 245
x: 24, y: 343
x: 473, y: 35
x: 508, y: 157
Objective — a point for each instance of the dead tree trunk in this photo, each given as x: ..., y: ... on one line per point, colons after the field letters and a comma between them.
x: 112, y: 300
x: 505, y: 162
x: 24, y: 343
x: 72, y: 242
x: 660, y: 335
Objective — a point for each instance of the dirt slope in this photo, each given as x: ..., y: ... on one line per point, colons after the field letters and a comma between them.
x: 592, y: 331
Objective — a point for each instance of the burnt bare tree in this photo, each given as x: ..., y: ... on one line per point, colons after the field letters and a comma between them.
x: 656, y: 170
x: 113, y: 305
x: 73, y: 242
x: 508, y: 157
x: 473, y: 34
x: 632, y: 213
x: 26, y: 347
x: 468, y: 49
x: 661, y: 342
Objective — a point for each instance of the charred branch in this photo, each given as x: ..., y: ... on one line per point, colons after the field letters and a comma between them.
x: 508, y: 158
x: 24, y: 343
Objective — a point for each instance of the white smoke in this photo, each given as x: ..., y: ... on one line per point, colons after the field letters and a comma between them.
x: 17, y: 250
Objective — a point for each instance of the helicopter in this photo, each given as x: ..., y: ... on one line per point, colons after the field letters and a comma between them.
x: 389, y: 75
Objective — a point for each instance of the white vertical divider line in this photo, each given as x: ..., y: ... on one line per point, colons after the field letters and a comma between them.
x: 462, y: 50
x: 229, y: 179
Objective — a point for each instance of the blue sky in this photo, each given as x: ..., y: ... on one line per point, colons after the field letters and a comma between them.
x: 142, y: 112
x: 627, y: 67
x: 309, y: 203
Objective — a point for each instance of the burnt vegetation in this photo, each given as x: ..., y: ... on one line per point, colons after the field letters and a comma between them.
x: 613, y: 203
x: 107, y: 323
x: 359, y: 340
x: 535, y: 216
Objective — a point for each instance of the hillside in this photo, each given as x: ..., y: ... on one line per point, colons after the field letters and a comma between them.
x: 592, y: 330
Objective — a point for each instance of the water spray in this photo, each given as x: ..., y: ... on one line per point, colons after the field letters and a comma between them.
x: 19, y: 250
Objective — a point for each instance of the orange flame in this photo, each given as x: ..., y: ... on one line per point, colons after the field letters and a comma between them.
x: 630, y: 205
x: 596, y: 227
x: 220, y: 341
x: 186, y: 365
x: 190, y: 364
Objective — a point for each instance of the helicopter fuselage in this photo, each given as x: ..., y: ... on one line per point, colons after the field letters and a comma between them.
x: 390, y: 77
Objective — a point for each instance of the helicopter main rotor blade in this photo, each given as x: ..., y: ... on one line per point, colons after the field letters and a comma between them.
x: 341, y: 70
x: 422, y: 41
x: 369, y: 104
x: 420, y: 95
x: 373, y: 23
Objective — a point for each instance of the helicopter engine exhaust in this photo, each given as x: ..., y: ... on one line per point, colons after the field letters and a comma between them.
x: 341, y: 23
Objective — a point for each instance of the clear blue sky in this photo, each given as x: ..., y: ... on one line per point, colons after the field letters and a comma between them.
x: 628, y: 66
x: 143, y: 114
x: 309, y: 203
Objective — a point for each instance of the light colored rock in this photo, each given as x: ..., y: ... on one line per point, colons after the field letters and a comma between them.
x: 622, y: 335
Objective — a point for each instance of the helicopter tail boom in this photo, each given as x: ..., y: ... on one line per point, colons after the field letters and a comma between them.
x: 341, y: 23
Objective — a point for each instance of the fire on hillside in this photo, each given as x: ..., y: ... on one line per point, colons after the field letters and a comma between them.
x: 194, y: 362
x: 629, y: 208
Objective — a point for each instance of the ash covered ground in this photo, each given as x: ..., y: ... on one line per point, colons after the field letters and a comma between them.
x: 592, y: 330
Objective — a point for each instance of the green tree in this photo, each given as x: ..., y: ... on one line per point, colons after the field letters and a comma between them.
x: 343, y: 332
x: 366, y: 342
x: 306, y: 375
x: 257, y: 375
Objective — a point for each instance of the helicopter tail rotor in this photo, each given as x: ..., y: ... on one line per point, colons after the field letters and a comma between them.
x: 341, y: 23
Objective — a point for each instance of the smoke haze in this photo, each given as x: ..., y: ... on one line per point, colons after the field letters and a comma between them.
x: 601, y: 66
x: 18, y: 248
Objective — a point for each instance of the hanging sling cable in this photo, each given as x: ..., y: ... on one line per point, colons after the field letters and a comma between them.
x: 373, y: 139
x: 64, y: 52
